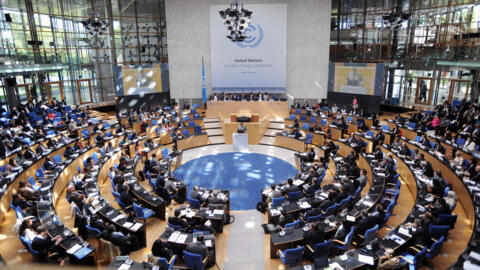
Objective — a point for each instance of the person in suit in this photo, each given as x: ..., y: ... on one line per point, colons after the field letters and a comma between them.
x: 195, y: 194
x: 176, y: 220
x: 29, y: 207
x: 274, y: 193
x: 125, y: 196
x: 214, y: 198
x: 314, y: 211
x: 46, y: 245
x: 203, y: 227
x: 362, y: 179
x: 439, y: 148
x: 241, y: 128
x: 160, y: 249
x: 313, y: 236
x: 290, y: 187
x: 29, y: 154
x: 427, y: 168
x: 200, y: 248
x: 49, y: 165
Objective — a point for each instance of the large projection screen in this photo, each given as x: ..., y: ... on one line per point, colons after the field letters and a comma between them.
x: 257, y: 64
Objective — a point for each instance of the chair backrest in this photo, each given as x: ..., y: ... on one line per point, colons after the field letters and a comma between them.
x: 412, y: 125
x: 309, y: 136
x: 50, y: 132
x: 305, y: 126
x: 348, y: 238
x: 194, y: 203
x: 313, y: 218
x: 138, y: 210
x: 293, y: 256
x: 418, y: 138
x: 95, y: 157
x: 419, y: 258
x: 344, y: 201
x: 186, y: 132
x: 303, y: 118
x: 435, y: 248
x: 313, y: 119
x: 349, y: 118
x: 154, y: 122
x: 432, y: 144
x: 387, y: 216
x: 460, y: 141
x: 115, y: 194
x: 436, y: 231
x: 191, y: 123
x: 32, y: 181
x: 276, y: 202
x: 449, y: 220
x: 176, y: 227
x: 185, y: 117
x: 331, y: 210
x: 57, y: 158
x: 293, y: 224
x: 39, y: 173
x: 293, y: 117
x: 370, y: 133
x: 370, y: 234
x: 323, y: 122
x: 298, y: 111
x: 294, y: 196
x: 193, y: 261
x: 197, y: 129
x: 93, y: 230
x: 323, y: 249
x: 386, y: 127
x: 390, y: 206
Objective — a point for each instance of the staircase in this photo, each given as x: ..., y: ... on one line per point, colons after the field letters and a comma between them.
x: 273, y: 128
x: 213, y: 130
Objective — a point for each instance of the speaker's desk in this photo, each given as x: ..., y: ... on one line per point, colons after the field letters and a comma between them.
x: 255, y: 130
x: 270, y: 109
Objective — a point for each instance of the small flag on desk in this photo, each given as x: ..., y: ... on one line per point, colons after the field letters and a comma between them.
x: 204, y: 84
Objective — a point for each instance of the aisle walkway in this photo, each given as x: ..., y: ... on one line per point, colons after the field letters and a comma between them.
x: 245, y: 243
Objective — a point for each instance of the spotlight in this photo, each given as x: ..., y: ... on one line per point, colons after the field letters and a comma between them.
x: 236, y: 19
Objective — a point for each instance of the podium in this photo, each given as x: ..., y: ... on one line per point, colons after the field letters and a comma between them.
x: 240, y: 142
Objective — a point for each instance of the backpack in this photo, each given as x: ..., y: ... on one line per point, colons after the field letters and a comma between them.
x: 262, y: 207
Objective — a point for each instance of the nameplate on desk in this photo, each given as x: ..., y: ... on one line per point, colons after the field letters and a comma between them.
x: 74, y: 249
x: 298, y: 182
x: 127, y: 225
x: 404, y: 232
x: 275, y: 212
x: 136, y: 226
x: 350, y: 218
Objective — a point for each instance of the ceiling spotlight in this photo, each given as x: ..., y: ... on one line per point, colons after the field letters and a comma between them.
x: 236, y: 19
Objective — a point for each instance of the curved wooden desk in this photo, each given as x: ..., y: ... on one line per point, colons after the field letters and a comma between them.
x: 289, y: 143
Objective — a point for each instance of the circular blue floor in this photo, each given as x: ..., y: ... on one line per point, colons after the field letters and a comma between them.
x: 244, y: 174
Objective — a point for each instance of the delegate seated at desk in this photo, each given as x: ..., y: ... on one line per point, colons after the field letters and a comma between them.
x: 241, y: 128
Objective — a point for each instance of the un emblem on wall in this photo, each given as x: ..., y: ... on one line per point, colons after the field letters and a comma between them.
x: 254, y: 36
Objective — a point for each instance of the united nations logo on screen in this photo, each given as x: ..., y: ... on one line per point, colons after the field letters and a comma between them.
x: 254, y: 36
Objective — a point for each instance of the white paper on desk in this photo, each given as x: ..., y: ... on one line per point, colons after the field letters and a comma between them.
x: 266, y: 192
x: 368, y: 203
x: 343, y: 257
x: 298, y: 182
x: 335, y: 265
x: 117, y: 218
x: 190, y: 214
x: 183, y: 212
x: 404, y: 231
x: 350, y: 218
x: 208, y: 243
x: 127, y: 225
x: 305, y: 205
x: 136, y: 226
x: 365, y: 259
x: 218, y: 211
x: 74, y: 249
x: 181, y: 239
x: 397, y: 239
x: 124, y: 267
x: 274, y: 212
x: 173, y: 237
x: 380, y: 174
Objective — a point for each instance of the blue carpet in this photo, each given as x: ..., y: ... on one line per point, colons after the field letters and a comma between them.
x: 244, y: 174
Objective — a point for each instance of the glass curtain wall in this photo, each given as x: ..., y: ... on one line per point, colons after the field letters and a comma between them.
x: 411, y: 37
x: 136, y: 35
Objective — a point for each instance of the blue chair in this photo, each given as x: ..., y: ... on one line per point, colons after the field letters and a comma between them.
x: 185, y: 118
x: 435, y: 248
x: 390, y: 206
x: 449, y: 220
x: 387, y: 216
x: 142, y: 213
x: 298, y: 111
x: 309, y: 138
x: 195, y: 105
x: 197, y: 129
x: 344, y: 245
x: 164, y: 264
x: 94, y: 231
x: 193, y: 111
x: 418, y: 138
x: 349, y: 118
x: 369, y: 235
x: 370, y: 133
x: 186, y: 133
x: 305, y: 126
x: 437, y: 231
x: 313, y: 119
x: 432, y: 144
x: 85, y: 134
x: 291, y: 256
x: 154, y: 122
x: 344, y: 202
x: 194, y: 203
x: 196, y: 116
x: 294, y: 196
x: 276, y: 202
x: 50, y: 133
x: 321, y: 249
x: 385, y: 127
x: 323, y: 122
x: 194, y: 261
x: 313, y: 218
x: 175, y: 227
x: 303, y: 118
x: 414, y: 261
x: 293, y: 117
x: 165, y: 153
x: 202, y: 232
x: 57, y: 159
x: 28, y: 246
x: 191, y: 123
x: 33, y: 183
x: 460, y: 141
x: 330, y: 210
x: 294, y: 224
x: 412, y: 125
